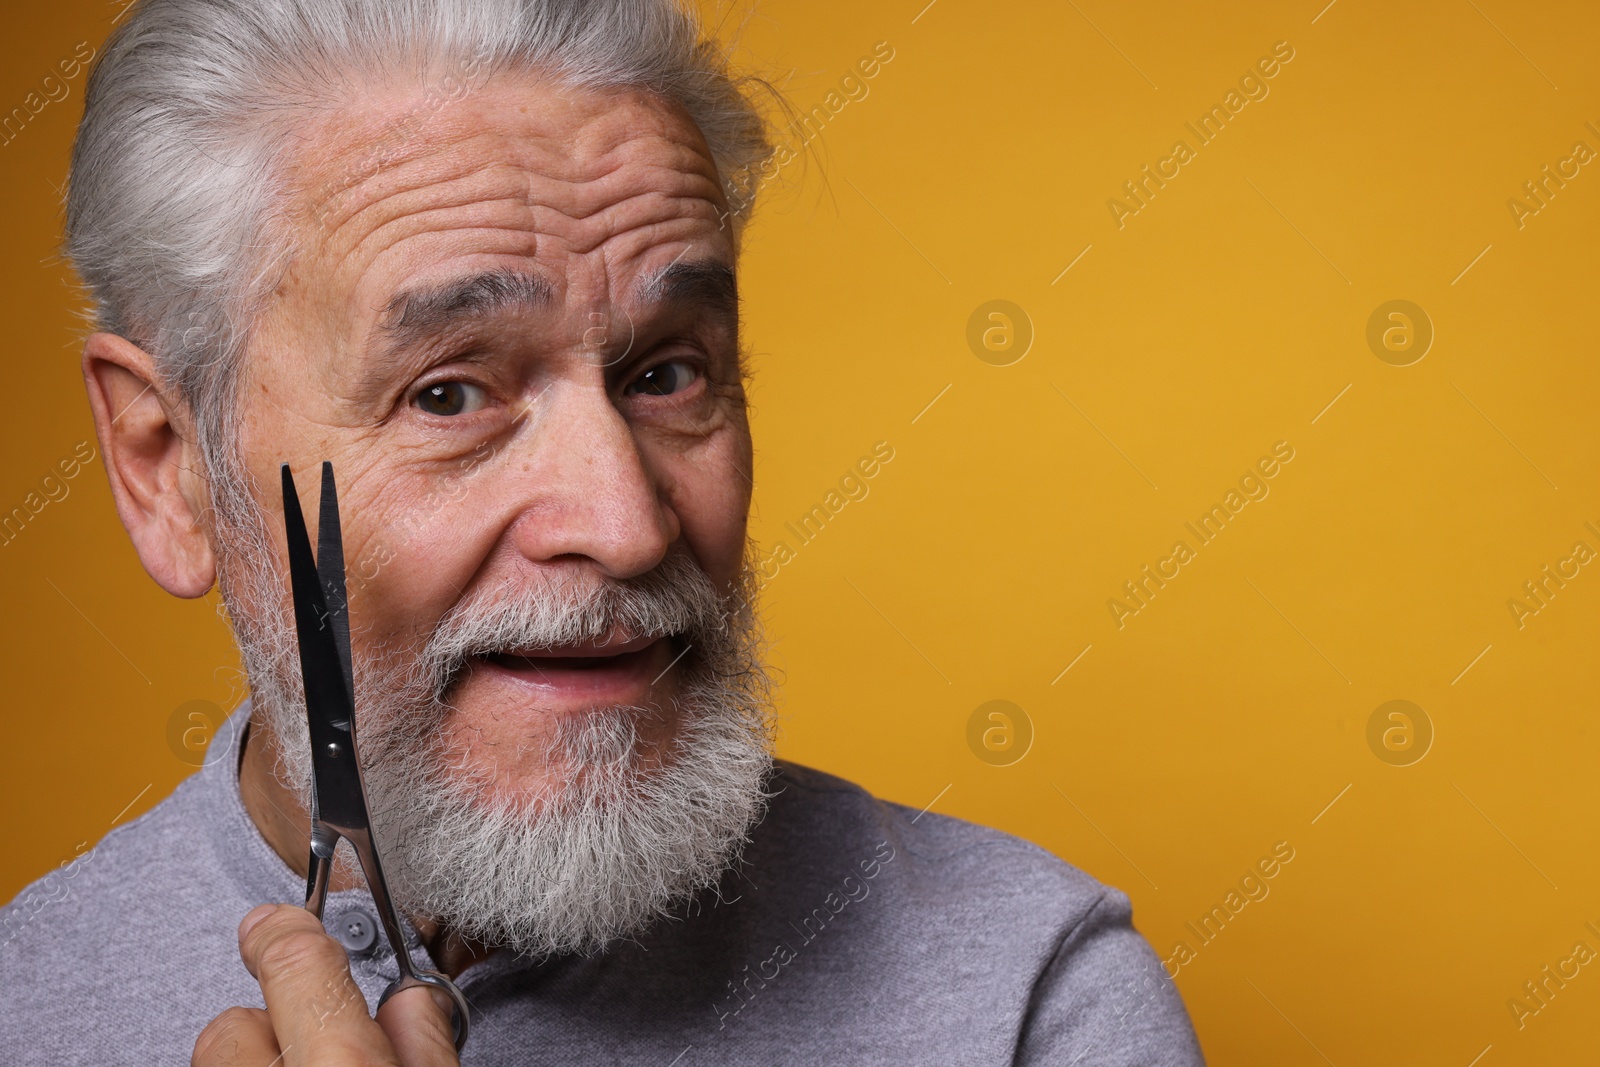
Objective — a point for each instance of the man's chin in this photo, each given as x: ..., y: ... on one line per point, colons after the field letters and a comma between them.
x: 506, y: 752
x: 580, y: 831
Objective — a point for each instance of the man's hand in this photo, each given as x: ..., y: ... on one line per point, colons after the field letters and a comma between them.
x: 315, y: 1015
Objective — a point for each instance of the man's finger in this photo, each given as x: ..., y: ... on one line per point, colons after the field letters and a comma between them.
x: 417, y: 1021
x: 318, y: 1013
x: 239, y: 1037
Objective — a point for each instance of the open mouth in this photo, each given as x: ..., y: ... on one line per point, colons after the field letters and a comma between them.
x: 554, y: 661
x: 618, y: 665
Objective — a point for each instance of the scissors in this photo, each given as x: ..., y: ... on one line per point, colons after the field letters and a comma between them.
x: 339, y: 800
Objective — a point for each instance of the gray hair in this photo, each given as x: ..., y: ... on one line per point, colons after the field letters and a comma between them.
x: 174, y: 218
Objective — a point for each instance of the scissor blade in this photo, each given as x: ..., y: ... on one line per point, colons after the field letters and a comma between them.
x: 329, y: 709
x: 330, y: 570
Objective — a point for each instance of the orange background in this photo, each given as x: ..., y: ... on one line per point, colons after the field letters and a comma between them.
x: 1229, y: 313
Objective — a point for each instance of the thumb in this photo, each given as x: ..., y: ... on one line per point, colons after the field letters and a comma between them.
x: 417, y: 1022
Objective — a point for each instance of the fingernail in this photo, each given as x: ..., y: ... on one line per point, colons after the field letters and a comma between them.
x: 254, y: 916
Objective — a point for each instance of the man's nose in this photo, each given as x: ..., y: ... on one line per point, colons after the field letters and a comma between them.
x: 597, y: 499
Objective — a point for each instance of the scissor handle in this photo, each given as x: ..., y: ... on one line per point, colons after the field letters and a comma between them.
x: 458, y: 1013
x: 324, y: 837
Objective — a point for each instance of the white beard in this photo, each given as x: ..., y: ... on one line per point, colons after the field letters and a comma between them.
x: 633, y: 833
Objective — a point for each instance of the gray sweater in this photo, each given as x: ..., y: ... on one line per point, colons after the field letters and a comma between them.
x: 856, y: 932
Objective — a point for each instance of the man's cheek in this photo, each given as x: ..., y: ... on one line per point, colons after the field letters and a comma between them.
x: 709, y: 491
x: 415, y: 563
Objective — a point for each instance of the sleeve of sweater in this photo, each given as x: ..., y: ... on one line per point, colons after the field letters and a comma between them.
x: 1105, y: 995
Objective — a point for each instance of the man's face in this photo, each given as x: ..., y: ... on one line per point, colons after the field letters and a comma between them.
x: 510, y: 325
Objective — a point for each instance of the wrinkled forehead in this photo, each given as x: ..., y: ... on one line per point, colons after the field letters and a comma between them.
x: 567, y: 134
x: 579, y: 187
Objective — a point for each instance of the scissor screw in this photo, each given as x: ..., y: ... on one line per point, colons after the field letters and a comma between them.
x: 333, y: 748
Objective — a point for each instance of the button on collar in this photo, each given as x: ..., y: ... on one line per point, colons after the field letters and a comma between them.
x: 356, y: 930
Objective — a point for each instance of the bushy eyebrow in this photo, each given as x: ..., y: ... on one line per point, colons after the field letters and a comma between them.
x: 418, y: 314
x: 710, y: 285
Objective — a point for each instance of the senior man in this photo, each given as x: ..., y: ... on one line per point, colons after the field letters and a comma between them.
x: 480, y: 255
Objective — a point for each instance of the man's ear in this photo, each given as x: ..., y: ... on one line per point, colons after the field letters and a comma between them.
x: 154, y: 471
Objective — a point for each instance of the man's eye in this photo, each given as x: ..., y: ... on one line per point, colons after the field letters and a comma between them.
x: 452, y: 398
x: 663, y: 379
